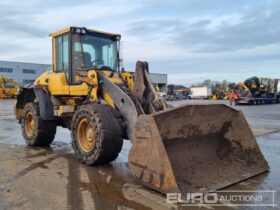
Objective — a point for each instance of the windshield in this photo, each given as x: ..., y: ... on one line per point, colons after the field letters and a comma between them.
x: 91, y: 51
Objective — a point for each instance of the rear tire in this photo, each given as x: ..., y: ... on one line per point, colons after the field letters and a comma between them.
x: 97, y: 134
x: 36, y: 131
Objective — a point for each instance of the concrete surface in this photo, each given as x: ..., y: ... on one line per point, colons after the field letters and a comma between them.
x: 52, y: 178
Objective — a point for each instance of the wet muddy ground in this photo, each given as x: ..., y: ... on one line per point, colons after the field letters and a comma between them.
x: 52, y: 178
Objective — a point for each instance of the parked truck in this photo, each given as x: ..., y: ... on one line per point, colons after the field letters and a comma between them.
x: 201, y: 92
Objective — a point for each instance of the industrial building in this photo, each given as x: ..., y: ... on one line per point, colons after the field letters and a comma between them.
x: 26, y: 73
x: 160, y: 80
x: 23, y: 73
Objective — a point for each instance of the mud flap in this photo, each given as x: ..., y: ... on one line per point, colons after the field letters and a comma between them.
x: 45, y: 104
x: 194, y: 148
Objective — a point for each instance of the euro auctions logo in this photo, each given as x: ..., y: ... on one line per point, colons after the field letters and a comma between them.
x: 265, y: 198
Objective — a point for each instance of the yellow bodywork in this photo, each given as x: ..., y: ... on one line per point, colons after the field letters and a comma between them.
x: 128, y: 78
x: 56, y: 84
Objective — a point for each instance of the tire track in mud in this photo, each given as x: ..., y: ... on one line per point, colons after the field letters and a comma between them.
x: 42, y: 153
x: 58, y: 149
x: 40, y: 164
x: 30, y: 168
x: 4, y: 184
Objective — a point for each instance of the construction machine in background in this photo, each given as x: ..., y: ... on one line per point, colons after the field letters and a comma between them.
x: 8, y: 88
x: 222, y: 91
x: 177, y: 92
x: 255, y: 91
x: 193, y: 148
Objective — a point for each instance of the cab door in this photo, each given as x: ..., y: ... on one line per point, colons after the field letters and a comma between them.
x: 59, y: 81
x: 77, y: 88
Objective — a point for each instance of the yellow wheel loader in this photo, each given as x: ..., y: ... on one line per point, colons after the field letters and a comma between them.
x: 8, y: 88
x: 193, y: 148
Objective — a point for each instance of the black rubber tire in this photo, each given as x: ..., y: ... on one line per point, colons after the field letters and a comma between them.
x: 109, y: 134
x: 45, y: 131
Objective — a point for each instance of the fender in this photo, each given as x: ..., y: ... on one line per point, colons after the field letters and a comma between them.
x: 29, y: 93
x: 45, y: 104
x: 26, y: 95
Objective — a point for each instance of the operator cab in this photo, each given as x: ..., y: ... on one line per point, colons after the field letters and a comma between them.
x: 78, y: 48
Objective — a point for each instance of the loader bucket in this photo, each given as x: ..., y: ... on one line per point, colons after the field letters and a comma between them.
x: 194, y: 148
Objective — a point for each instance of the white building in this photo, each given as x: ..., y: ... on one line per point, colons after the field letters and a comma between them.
x: 23, y: 73
x: 26, y: 73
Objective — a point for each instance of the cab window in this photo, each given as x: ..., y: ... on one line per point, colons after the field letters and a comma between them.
x: 62, y: 54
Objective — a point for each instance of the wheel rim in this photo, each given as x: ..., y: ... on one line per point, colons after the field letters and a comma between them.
x: 29, y: 124
x: 86, y: 134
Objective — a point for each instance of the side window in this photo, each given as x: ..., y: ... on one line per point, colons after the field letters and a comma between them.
x: 58, y: 45
x: 62, y: 54
x: 108, y: 54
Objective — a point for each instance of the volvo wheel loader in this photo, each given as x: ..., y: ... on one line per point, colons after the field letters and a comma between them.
x: 193, y: 148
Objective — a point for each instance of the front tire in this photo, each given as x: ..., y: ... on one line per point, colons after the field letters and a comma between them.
x: 36, y: 131
x: 97, y: 134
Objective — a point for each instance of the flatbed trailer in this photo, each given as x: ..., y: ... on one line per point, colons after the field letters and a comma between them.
x: 257, y: 101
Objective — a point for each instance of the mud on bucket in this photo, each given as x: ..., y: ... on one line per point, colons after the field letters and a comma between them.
x: 194, y: 148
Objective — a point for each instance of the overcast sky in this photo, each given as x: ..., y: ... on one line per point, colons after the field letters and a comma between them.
x: 190, y: 40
